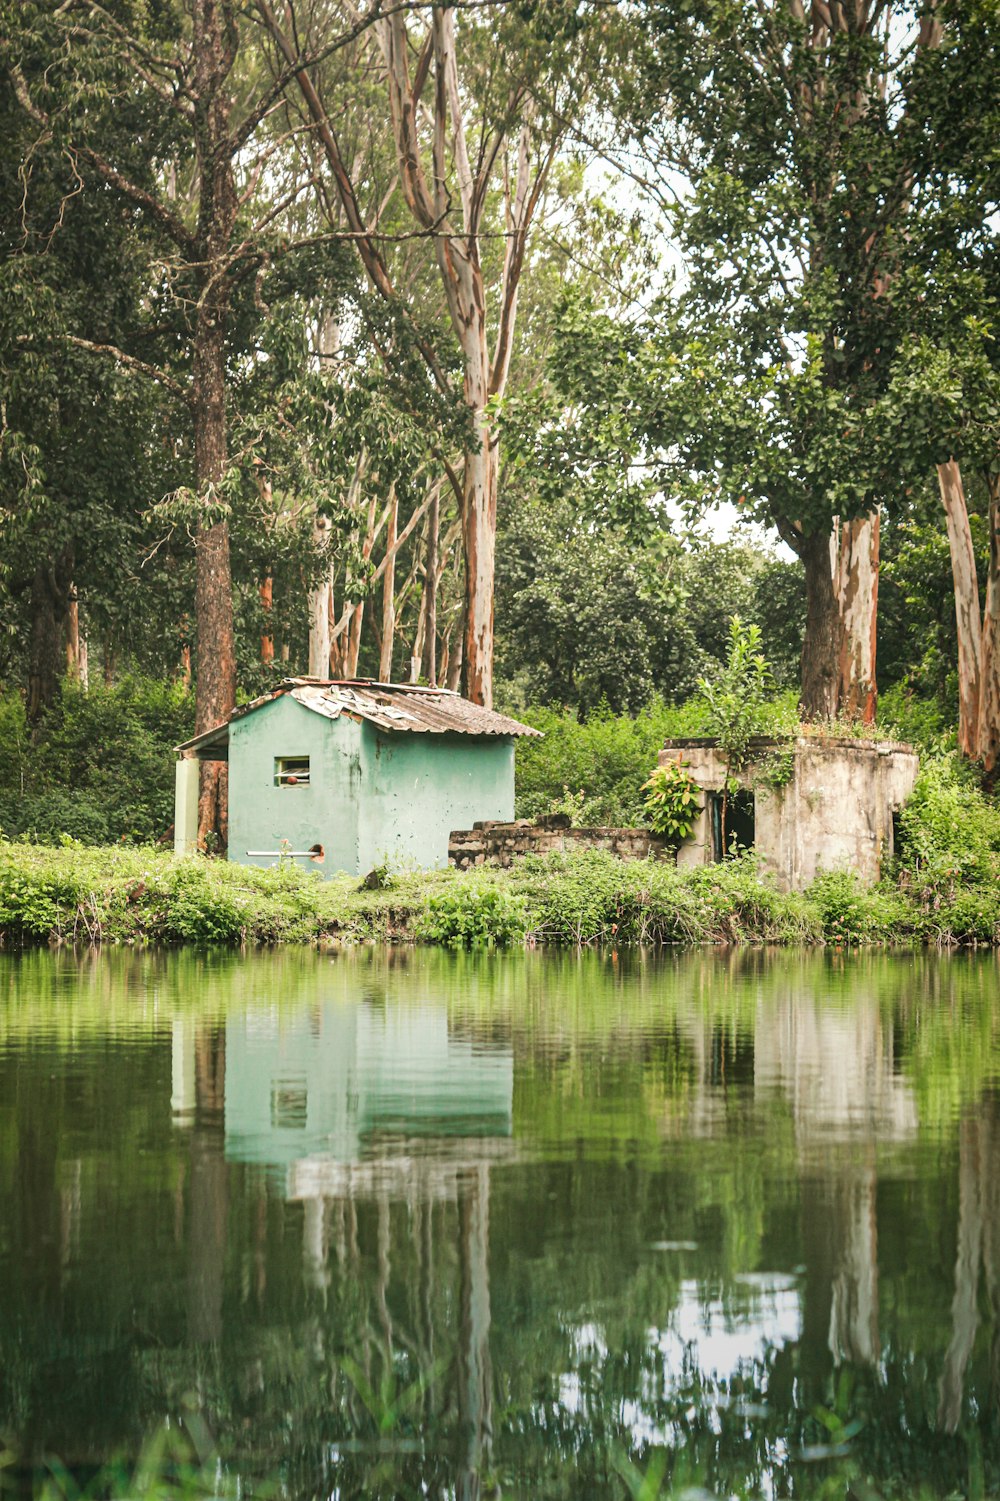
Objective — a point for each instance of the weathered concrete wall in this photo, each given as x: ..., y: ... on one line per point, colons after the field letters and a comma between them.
x: 835, y: 813
x: 373, y: 797
x: 263, y: 816
x: 417, y: 788
x: 503, y: 843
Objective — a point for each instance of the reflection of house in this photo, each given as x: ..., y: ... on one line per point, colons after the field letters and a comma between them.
x: 347, y: 776
x: 313, y: 1092
x: 804, y: 804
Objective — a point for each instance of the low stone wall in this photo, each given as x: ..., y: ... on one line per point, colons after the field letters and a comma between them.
x: 503, y: 843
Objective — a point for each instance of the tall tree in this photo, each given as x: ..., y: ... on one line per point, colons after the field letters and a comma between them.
x: 473, y: 135
x: 166, y: 115
x: 784, y: 129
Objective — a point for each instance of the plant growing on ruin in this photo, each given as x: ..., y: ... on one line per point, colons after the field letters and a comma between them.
x: 671, y: 801
x: 738, y: 704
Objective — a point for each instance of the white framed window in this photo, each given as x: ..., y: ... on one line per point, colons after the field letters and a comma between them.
x: 291, y: 771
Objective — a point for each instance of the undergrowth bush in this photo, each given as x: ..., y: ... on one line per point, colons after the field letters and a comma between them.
x: 474, y: 917
x: 949, y: 835
x: 851, y: 913
x: 594, y: 897
x: 602, y: 760
x: 99, y: 766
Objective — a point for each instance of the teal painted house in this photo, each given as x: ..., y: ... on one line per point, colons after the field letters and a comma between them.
x: 346, y: 776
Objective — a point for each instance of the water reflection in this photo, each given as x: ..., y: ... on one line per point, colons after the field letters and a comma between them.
x: 404, y: 1224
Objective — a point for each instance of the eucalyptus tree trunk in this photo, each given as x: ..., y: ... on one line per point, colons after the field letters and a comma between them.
x: 989, y: 677
x: 967, y: 618
x: 216, y: 660
x: 855, y: 570
x: 77, y: 655
x: 266, y: 604
x: 319, y: 605
x: 389, y: 595
x: 430, y: 589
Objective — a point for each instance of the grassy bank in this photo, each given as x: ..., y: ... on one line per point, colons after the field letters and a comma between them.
x: 129, y: 895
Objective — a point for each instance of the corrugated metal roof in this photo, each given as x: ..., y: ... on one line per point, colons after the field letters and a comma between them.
x: 389, y: 706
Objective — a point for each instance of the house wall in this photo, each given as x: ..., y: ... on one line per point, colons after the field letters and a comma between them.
x: 834, y: 814
x: 373, y: 797
x: 418, y: 787
x: 326, y: 812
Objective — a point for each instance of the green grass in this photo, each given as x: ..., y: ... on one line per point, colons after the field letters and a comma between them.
x: 119, y: 894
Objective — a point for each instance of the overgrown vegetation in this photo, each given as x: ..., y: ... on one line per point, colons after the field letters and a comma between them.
x: 98, y: 768
x: 944, y: 888
x: 82, y: 805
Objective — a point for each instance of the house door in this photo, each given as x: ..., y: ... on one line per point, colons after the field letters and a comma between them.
x: 740, y: 831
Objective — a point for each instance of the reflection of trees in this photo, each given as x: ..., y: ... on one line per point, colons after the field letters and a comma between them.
x: 206, y: 1227
x: 977, y: 1249
x: 432, y: 1310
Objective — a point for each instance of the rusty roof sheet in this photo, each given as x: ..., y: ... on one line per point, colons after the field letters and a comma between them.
x: 389, y: 706
x: 402, y: 707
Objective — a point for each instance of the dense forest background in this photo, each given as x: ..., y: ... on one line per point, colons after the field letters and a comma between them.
x: 425, y: 343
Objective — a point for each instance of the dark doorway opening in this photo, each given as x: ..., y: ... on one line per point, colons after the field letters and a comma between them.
x: 741, y: 824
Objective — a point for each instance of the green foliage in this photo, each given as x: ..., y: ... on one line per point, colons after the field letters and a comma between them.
x: 672, y: 805
x: 101, y: 766
x: 851, y: 913
x: 593, y: 897
x: 474, y: 917
x: 738, y: 697
x: 606, y: 757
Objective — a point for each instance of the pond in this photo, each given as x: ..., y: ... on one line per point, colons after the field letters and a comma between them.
x: 393, y: 1223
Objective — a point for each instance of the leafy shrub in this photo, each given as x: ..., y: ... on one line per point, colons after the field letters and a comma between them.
x: 101, y: 765
x: 45, y: 817
x: 474, y: 917
x: 603, y: 759
x: 950, y: 834
x: 594, y: 897
x: 851, y: 913
x: 972, y: 917
x: 672, y: 805
x: 921, y: 721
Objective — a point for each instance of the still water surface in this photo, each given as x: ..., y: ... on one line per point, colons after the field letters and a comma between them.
x: 396, y: 1223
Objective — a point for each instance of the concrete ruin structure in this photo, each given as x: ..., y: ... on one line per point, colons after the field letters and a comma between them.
x: 805, y: 804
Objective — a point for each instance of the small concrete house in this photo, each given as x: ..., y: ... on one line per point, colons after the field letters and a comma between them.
x: 831, y: 806
x: 347, y: 776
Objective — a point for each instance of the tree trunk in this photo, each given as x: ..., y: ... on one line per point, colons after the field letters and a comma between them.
x: 479, y: 522
x: 49, y: 603
x: 319, y: 607
x: 821, y: 644
x: 989, y: 673
x: 856, y: 568
x: 430, y: 589
x: 965, y: 1302
x: 267, y: 640
x: 967, y: 621
x: 215, y: 691
x: 73, y: 636
x: 353, y: 649
x: 389, y: 596
x: 455, y: 665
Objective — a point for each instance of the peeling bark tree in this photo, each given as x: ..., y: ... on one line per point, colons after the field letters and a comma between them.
x: 855, y: 563
x: 989, y: 679
x: 978, y: 635
x: 967, y: 621
x: 446, y: 188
